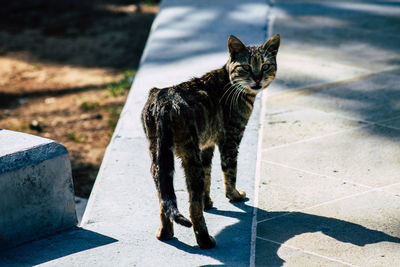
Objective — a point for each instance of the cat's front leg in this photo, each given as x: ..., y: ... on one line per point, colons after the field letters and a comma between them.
x: 229, y: 153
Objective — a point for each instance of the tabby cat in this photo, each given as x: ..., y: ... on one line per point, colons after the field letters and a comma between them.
x: 190, y: 118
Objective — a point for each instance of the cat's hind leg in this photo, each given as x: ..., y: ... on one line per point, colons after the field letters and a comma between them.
x: 166, y: 230
x: 195, y: 178
x: 206, y: 158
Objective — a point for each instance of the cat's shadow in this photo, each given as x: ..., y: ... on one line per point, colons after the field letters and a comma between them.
x: 280, y: 226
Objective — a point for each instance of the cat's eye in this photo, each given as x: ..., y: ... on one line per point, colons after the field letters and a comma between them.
x: 266, y: 67
x: 245, y: 67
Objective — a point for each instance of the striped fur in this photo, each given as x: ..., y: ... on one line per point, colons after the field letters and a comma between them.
x: 190, y: 118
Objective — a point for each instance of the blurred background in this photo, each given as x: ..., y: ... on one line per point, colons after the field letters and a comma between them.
x: 65, y: 70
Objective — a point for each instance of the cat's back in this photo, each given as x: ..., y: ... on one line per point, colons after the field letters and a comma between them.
x: 187, y: 104
x: 190, y: 96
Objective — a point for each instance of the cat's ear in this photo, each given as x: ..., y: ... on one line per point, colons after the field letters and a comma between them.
x: 235, y: 45
x: 272, y: 45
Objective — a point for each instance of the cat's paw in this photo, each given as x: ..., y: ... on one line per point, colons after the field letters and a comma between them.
x: 208, y: 203
x: 236, y: 195
x: 164, y: 233
x: 206, y: 242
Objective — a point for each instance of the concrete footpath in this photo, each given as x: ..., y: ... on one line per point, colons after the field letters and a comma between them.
x: 321, y: 169
x: 329, y: 189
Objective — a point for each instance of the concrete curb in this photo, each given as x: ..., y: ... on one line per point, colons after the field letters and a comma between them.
x: 36, y: 192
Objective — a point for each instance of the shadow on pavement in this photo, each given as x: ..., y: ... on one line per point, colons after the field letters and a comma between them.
x: 287, y: 225
x: 228, y: 240
x: 54, y: 247
x: 360, y: 34
x: 281, y: 227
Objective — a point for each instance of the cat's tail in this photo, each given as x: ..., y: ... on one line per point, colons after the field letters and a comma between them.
x: 165, y: 160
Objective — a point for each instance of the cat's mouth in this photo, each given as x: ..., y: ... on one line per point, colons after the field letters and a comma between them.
x: 256, y: 87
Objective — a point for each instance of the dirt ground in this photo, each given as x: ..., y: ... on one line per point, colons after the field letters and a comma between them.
x: 65, y: 70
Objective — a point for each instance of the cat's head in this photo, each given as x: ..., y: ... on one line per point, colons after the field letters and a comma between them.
x: 252, y: 68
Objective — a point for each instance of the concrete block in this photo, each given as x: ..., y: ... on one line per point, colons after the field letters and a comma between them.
x: 36, y: 192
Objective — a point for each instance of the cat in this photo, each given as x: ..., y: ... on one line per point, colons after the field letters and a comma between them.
x: 190, y: 118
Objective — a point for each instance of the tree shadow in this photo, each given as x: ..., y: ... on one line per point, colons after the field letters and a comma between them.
x: 54, y: 247
x: 372, y: 98
x: 355, y: 35
x: 281, y: 227
x: 10, y: 100
x: 93, y: 33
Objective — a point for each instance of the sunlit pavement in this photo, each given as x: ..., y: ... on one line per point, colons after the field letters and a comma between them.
x: 329, y: 185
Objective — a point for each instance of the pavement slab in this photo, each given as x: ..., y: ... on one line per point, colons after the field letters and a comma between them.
x: 350, y: 155
x: 286, y: 189
x: 289, y: 126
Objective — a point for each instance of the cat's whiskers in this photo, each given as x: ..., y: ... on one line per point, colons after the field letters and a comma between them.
x: 239, y: 95
x: 230, y: 93
x: 236, y: 95
x: 227, y: 90
x: 230, y: 96
x: 232, y: 102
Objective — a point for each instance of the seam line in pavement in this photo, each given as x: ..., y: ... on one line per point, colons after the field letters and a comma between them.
x: 373, y: 189
x: 377, y: 122
x: 367, y: 124
x: 315, y: 88
x: 299, y: 107
x: 317, y: 174
x: 318, y: 87
x: 370, y: 188
x: 388, y: 119
x: 321, y: 204
x: 328, y: 113
x: 388, y: 126
x: 382, y: 188
x: 316, y: 137
x: 306, y: 251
